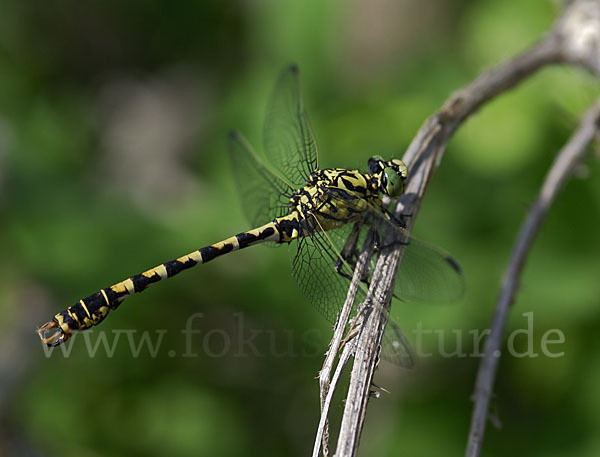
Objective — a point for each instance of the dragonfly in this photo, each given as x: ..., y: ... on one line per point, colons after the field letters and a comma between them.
x: 330, y: 213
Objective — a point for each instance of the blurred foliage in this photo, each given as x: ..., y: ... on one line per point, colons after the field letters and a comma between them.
x: 113, y: 118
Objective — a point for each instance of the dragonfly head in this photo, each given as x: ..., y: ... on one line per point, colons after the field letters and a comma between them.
x: 391, y: 175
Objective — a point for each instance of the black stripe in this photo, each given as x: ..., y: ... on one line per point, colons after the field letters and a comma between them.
x: 66, y: 317
x: 173, y: 267
x: 287, y: 227
x: 245, y: 239
x: 93, y: 303
x: 360, y: 189
x: 140, y: 282
x: 210, y: 252
x: 113, y: 297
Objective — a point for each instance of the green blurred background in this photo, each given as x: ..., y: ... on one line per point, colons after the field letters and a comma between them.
x: 113, y: 122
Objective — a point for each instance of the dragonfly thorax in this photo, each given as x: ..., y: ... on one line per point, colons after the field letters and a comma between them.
x: 333, y: 197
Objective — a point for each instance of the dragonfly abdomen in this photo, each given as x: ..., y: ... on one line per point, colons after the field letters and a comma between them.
x: 92, y: 310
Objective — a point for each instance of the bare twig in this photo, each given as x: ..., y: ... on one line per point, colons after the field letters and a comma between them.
x: 325, y: 381
x: 571, y: 154
x: 367, y: 352
x: 568, y: 43
x: 323, y: 429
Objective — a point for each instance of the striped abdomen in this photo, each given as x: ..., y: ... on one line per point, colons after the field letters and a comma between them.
x: 90, y: 311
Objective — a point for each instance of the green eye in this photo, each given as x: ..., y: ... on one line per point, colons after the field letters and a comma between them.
x: 394, y: 186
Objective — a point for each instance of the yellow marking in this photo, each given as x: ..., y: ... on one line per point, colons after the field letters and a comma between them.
x: 229, y: 242
x: 129, y: 286
x: 102, y: 312
x: 124, y: 286
x: 105, y: 296
x: 185, y: 259
x: 119, y: 288
x: 233, y: 242
x: 61, y: 323
x: 196, y: 256
x: 159, y: 270
x: 162, y: 271
x: 65, y: 328
x: 358, y: 181
x: 73, y: 316
x: 85, y: 307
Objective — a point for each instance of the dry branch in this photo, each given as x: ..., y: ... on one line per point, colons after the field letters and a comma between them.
x: 575, y: 40
x: 571, y: 154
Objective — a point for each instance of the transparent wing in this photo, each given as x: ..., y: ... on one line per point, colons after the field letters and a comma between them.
x: 263, y: 194
x: 314, y: 267
x: 427, y: 274
x: 395, y: 348
x: 288, y: 139
x: 325, y: 285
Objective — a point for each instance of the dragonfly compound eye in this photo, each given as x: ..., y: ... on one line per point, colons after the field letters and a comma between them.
x: 393, y: 182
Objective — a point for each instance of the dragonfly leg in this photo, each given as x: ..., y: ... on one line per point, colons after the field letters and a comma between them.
x: 398, y: 221
x: 402, y: 240
x: 375, y: 391
x: 349, y: 253
x: 376, y: 241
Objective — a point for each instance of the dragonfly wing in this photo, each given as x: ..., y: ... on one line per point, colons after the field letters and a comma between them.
x: 288, y: 138
x: 427, y: 274
x: 263, y: 193
x: 314, y: 268
x: 323, y: 276
x: 395, y: 348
